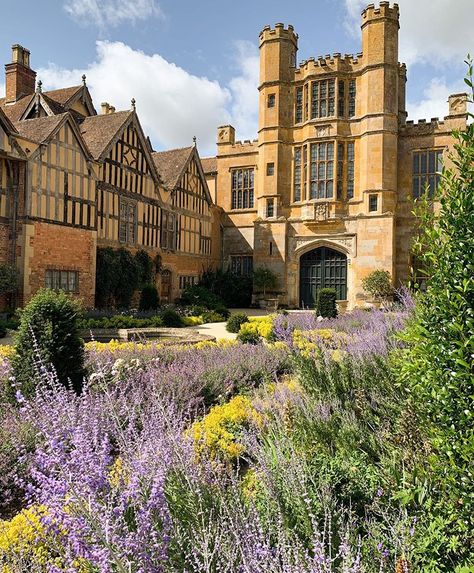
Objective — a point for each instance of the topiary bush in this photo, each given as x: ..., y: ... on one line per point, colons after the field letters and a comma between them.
x: 234, y: 290
x: 379, y: 284
x: 171, y: 318
x: 248, y: 337
x: 326, y: 303
x: 149, y: 298
x: 235, y: 320
x: 49, y: 330
x: 212, y: 316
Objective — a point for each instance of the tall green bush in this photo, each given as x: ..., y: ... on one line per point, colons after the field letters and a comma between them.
x: 438, y: 367
x: 49, y: 333
x: 234, y: 290
x: 378, y: 283
x: 326, y: 303
x: 149, y: 298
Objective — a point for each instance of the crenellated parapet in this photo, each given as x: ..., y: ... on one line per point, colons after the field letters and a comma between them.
x: 279, y: 32
x: 383, y: 11
x: 330, y: 63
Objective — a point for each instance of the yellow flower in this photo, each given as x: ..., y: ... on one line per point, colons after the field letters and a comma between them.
x: 219, y: 431
x: 261, y: 325
x: 7, y: 352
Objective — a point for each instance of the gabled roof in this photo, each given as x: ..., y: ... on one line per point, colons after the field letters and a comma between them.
x: 6, y: 123
x: 171, y: 164
x: 99, y: 131
x: 40, y: 128
x: 209, y: 164
x: 53, y: 102
x: 14, y: 111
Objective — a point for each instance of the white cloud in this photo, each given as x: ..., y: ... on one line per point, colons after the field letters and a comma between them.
x: 103, y: 13
x: 244, y: 109
x: 434, y: 102
x: 172, y: 104
x: 433, y: 32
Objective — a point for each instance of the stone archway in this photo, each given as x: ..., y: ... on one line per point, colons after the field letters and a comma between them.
x: 322, y: 267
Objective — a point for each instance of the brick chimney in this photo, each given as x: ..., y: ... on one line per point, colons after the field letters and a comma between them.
x: 19, y: 77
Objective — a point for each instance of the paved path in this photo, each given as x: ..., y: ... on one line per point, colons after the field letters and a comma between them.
x: 217, y: 329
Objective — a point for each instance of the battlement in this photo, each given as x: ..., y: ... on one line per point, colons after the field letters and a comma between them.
x: 383, y: 11
x: 278, y: 33
x: 245, y: 143
x: 336, y: 62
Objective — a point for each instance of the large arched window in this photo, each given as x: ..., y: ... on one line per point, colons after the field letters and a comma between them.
x: 322, y: 268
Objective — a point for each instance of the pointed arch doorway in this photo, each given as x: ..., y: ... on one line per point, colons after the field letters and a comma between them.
x: 322, y: 268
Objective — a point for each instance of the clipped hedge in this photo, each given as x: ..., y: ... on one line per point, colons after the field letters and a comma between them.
x: 326, y: 303
x: 235, y: 321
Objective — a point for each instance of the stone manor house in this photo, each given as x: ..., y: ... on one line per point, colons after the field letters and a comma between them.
x: 322, y: 197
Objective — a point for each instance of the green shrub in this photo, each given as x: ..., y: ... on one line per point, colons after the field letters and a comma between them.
x: 379, y: 284
x: 146, y: 268
x: 171, y: 318
x: 248, y: 337
x: 197, y: 295
x: 234, y: 290
x: 326, y: 303
x: 264, y: 279
x: 49, y: 330
x: 438, y: 370
x: 8, y: 278
x: 234, y: 322
x: 149, y: 298
x: 212, y: 316
x: 121, y: 321
x: 223, y: 311
x: 3, y: 328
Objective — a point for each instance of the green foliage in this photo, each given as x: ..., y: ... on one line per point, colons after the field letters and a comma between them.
x: 146, y: 268
x: 212, y: 316
x: 3, y: 328
x: 171, y: 318
x: 8, y: 278
x: 379, y: 284
x: 326, y: 303
x: 437, y: 369
x: 202, y: 298
x: 49, y: 332
x: 235, y: 320
x: 121, y: 321
x: 248, y: 337
x: 149, y: 298
x: 264, y: 279
x: 119, y: 274
x: 234, y: 290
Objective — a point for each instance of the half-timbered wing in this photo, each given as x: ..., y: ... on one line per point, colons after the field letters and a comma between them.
x: 129, y: 200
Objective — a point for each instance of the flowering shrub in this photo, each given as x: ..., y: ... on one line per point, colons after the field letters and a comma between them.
x: 261, y: 326
x: 219, y: 432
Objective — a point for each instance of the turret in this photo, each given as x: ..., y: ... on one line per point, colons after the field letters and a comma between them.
x: 380, y: 33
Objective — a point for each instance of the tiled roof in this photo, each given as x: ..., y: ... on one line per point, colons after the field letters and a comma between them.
x: 63, y: 95
x: 15, y: 110
x: 40, y: 128
x: 99, y: 130
x: 170, y: 164
x: 56, y: 99
x: 209, y: 164
x: 6, y: 122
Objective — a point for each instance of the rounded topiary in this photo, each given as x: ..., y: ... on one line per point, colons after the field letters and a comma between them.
x: 171, y: 318
x: 235, y: 320
x: 326, y: 303
x: 379, y: 284
x: 149, y: 298
x: 212, y: 316
x: 49, y: 332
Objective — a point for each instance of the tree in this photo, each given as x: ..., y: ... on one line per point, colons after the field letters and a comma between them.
x: 379, y: 284
x: 8, y: 278
x: 437, y: 369
x: 49, y: 332
x: 264, y: 278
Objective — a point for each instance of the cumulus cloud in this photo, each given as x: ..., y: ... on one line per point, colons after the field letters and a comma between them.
x: 103, y: 13
x: 433, y: 32
x: 172, y: 104
x: 244, y: 109
x: 434, y: 102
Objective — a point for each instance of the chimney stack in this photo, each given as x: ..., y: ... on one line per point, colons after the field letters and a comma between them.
x: 106, y: 108
x: 20, y: 79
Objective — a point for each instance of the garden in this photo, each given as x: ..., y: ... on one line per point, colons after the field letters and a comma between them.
x: 308, y: 445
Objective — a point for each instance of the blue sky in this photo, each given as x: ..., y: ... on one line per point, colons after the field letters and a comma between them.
x: 193, y: 65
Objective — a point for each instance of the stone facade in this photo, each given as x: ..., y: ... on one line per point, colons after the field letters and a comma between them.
x: 332, y: 166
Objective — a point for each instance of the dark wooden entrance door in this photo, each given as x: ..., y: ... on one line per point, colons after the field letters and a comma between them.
x: 165, y: 291
x: 322, y: 268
